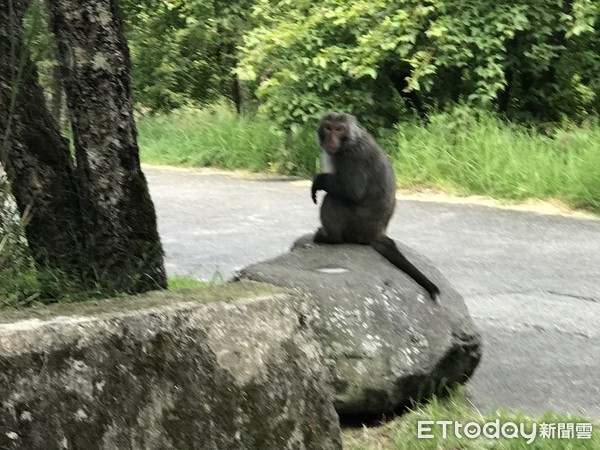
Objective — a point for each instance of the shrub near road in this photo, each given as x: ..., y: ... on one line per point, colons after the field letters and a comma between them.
x: 376, y: 59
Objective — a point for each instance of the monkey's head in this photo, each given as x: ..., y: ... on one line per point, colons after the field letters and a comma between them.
x: 335, y: 129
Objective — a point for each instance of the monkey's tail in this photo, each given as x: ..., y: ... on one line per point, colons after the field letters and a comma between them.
x: 388, y: 249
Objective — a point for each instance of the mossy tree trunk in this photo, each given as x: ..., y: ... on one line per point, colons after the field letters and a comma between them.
x: 122, y: 238
x: 35, y: 156
x: 94, y: 219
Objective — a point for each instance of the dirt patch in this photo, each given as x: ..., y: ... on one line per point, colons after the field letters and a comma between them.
x: 237, y: 173
x: 547, y: 207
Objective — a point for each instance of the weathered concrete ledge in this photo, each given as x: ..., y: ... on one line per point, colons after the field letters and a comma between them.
x: 231, y: 367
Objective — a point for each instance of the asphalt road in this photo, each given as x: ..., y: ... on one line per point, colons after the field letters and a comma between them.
x: 531, y: 281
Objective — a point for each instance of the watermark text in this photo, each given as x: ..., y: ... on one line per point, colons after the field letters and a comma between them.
x: 429, y: 429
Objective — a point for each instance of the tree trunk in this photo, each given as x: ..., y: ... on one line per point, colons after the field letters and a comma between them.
x: 122, y: 242
x: 236, y: 92
x: 35, y: 156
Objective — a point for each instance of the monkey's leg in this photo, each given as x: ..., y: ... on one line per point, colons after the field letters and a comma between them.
x: 322, y: 237
x: 334, y: 218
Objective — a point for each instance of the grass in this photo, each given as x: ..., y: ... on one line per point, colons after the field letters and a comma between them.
x: 482, y: 155
x: 20, y: 288
x: 402, y: 432
x: 179, y: 282
x: 216, y: 137
x: 461, y: 152
x: 212, y: 137
x: 19, y: 285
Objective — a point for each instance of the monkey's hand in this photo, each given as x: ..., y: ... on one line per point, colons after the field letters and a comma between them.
x: 318, y: 184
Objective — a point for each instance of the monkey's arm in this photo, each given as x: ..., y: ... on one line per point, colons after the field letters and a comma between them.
x: 339, y: 186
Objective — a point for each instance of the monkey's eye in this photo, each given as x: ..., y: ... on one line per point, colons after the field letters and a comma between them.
x: 327, y: 128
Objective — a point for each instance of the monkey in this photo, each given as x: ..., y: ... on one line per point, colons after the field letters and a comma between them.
x: 361, y: 193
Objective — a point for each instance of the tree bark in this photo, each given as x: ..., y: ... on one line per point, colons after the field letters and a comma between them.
x: 122, y: 242
x: 236, y: 91
x: 35, y: 156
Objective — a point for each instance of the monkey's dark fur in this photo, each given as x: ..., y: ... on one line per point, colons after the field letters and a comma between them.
x: 361, y: 193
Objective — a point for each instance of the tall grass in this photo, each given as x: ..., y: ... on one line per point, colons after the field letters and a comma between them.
x: 465, y: 152
x: 482, y: 155
x: 217, y: 137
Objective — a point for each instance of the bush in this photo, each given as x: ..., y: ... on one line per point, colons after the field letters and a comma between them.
x: 183, y: 52
x: 375, y: 59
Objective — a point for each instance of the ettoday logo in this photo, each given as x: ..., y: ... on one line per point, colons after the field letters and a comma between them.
x: 429, y: 429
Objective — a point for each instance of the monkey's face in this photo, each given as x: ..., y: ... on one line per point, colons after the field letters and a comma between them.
x: 334, y: 129
x: 331, y: 136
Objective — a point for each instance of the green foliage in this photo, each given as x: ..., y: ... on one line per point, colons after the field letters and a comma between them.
x: 523, y: 58
x: 40, y: 41
x: 217, y: 137
x: 377, y: 59
x: 183, y: 51
x: 474, y: 153
x: 179, y: 282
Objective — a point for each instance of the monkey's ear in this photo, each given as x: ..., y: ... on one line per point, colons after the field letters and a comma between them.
x: 352, y: 125
x: 352, y: 120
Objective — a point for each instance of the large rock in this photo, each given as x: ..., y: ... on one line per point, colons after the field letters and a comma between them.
x: 385, y: 341
x: 166, y: 371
